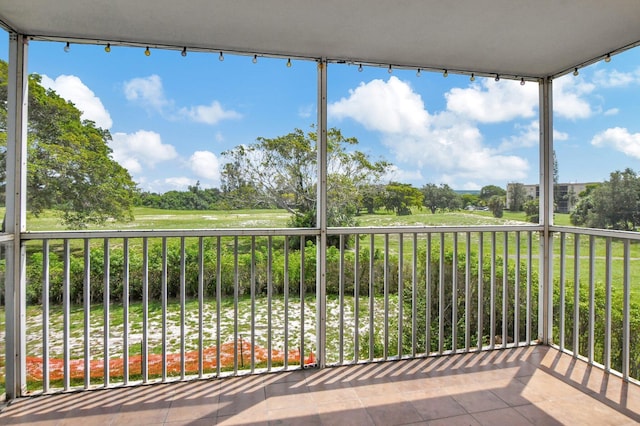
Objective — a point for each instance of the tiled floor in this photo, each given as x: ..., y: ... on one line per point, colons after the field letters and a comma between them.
x: 535, y: 385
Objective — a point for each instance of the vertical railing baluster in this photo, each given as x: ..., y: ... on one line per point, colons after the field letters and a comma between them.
x: 385, y: 352
x: 302, y: 296
x: 236, y: 295
x: 200, y: 307
x: 529, y: 290
x: 252, y: 292
x: 414, y: 298
x: 218, y: 303
x: 144, y: 351
x: 371, y: 296
x: 516, y: 295
x: 576, y: 295
x: 592, y: 310
x: 125, y: 312
x: 87, y: 313
x: 341, y: 302
x: 45, y: 315
x: 626, y: 314
x: 183, y: 313
x: 454, y: 295
x: 607, y: 307
x: 164, y: 297
x: 563, y: 255
x: 480, y: 290
x: 106, y: 321
x: 269, y: 297
x: 467, y: 293
x: 505, y: 289
x: 428, y: 296
x: 400, y: 293
x: 286, y: 303
x: 66, y: 313
x: 356, y: 301
x: 441, y: 300
x: 492, y: 320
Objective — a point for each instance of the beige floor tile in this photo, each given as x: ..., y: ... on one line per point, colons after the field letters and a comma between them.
x: 391, y: 410
x: 505, y: 416
x: 438, y: 407
x: 537, y: 416
x: 294, y: 415
x: 196, y: 408
x: 464, y: 420
x: 478, y: 401
x: 532, y: 385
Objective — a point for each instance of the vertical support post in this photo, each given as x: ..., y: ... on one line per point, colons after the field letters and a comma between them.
x: 15, y: 216
x: 545, y: 290
x: 321, y: 217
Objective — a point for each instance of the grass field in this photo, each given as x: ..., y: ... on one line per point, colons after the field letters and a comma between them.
x: 170, y: 219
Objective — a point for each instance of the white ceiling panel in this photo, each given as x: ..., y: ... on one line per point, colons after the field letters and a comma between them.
x: 508, y: 37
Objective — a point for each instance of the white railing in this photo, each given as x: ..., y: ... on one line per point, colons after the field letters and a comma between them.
x: 123, y: 307
x: 595, y: 272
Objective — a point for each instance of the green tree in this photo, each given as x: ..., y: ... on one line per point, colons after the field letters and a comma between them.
x: 371, y: 197
x: 440, y: 197
x: 517, y: 196
x: 489, y: 191
x: 496, y: 205
x: 613, y: 204
x: 532, y: 210
x: 283, y: 172
x: 401, y: 197
x: 469, y: 200
x: 582, y: 213
x: 70, y: 167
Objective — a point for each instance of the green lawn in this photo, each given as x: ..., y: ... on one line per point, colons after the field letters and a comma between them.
x: 146, y: 218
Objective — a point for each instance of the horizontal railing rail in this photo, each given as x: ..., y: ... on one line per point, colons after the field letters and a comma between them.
x: 107, y: 308
x: 595, y: 275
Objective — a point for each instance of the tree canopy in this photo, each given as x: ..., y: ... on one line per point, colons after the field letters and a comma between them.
x: 488, y: 191
x: 401, y: 197
x: 70, y: 168
x: 613, y: 204
x: 282, y: 172
x: 517, y: 197
x: 440, y: 197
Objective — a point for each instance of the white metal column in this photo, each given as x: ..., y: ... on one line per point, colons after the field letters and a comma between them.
x: 545, y: 290
x: 15, y: 220
x: 321, y: 217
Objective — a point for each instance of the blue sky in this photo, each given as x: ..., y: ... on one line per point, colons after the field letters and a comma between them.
x: 171, y: 117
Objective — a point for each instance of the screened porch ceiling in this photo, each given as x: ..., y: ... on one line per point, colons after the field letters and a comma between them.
x: 514, y: 39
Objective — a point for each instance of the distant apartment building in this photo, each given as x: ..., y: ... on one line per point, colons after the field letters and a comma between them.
x: 566, y: 197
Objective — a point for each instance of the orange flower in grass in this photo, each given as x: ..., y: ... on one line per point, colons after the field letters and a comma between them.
x: 154, y: 362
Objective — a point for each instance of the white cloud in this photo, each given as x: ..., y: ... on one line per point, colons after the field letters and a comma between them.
x: 494, y: 101
x: 615, y: 78
x: 306, y: 111
x: 528, y: 136
x: 205, y: 165
x: 471, y: 186
x: 73, y: 89
x: 612, y: 111
x: 178, y: 183
x: 401, y: 175
x: 147, y: 91
x: 447, y: 143
x: 143, y: 148
x: 208, y: 114
x: 619, y: 139
x: 569, y: 97
x: 388, y: 107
